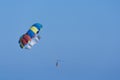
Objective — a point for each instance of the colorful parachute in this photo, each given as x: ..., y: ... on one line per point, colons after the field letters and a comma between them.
x: 30, y: 38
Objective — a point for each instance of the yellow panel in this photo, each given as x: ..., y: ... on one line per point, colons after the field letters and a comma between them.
x: 34, y: 29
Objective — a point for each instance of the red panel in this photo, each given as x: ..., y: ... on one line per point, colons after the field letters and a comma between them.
x: 23, y: 41
x: 27, y: 38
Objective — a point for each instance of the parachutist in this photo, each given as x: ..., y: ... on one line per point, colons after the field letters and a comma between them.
x: 57, y: 64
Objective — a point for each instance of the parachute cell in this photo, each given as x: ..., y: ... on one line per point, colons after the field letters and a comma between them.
x: 27, y: 38
x: 34, y: 29
x: 37, y: 25
x: 31, y: 33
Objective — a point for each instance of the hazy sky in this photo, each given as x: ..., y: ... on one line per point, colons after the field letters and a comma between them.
x: 83, y: 34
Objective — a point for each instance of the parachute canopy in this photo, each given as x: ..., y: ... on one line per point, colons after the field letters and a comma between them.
x: 31, y: 37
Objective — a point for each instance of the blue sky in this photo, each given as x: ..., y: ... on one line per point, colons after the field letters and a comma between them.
x: 84, y: 34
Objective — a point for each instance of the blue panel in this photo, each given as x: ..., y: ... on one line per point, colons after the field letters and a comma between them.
x: 31, y: 33
x: 37, y: 25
